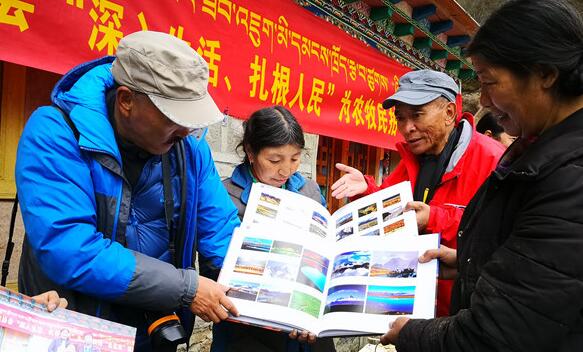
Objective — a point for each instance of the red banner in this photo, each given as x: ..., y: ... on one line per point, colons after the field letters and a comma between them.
x: 260, y: 53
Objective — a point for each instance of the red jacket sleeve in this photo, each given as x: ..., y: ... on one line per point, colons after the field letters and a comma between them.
x: 444, y: 219
x: 371, y: 186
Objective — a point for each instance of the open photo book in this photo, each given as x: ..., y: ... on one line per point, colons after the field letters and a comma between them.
x: 26, y: 326
x: 293, y: 265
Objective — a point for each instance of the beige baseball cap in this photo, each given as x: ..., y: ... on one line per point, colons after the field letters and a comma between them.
x: 172, y: 74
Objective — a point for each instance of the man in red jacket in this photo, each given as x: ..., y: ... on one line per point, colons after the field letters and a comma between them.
x: 445, y: 159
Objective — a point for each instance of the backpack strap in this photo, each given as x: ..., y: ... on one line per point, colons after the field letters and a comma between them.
x: 10, y: 244
x: 69, y: 122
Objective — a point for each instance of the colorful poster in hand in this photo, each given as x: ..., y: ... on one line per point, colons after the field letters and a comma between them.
x: 27, y: 326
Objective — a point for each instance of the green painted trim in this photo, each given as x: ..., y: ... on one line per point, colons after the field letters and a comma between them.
x: 403, y: 29
x: 466, y: 74
x: 380, y: 13
x: 428, y: 33
x: 422, y: 43
x: 453, y: 65
x: 386, y: 43
x: 438, y: 54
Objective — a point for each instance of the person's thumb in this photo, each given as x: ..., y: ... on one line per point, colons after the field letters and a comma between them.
x: 415, y: 205
x: 429, y: 255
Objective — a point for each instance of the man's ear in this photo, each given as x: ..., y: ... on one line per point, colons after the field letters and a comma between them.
x: 451, y: 113
x: 488, y: 133
x: 124, y: 100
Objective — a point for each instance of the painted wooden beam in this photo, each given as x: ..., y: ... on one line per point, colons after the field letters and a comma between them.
x: 349, y: 1
x: 466, y: 73
x: 380, y: 13
x: 315, y: 10
x: 438, y: 54
x: 441, y: 27
x: 395, y: 1
x: 458, y: 40
x: 422, y: 12
x: 371, y: 42
x: 422, y: 43
x: 403, y: 29
x: 453, y: 65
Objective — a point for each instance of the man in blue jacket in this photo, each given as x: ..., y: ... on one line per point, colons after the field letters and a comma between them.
x: 119, y: 191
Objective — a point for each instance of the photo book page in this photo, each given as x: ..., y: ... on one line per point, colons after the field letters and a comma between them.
x: 293, y: 265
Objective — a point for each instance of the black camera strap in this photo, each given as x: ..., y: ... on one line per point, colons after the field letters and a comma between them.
x: 10, y: 244
x: 175, y: 233
x: 181, y: 230
x: 169, y: 206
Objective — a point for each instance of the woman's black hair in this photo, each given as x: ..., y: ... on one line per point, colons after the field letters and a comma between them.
x: 270, y: 127
x: 489, y: 122
x: 527, y: 36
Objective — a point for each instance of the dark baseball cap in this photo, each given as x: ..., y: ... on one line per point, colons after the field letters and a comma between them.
x: 421, y: 87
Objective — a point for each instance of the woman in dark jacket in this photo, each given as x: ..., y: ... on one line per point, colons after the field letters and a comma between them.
x: 519, y: 283
x: 272, y: 141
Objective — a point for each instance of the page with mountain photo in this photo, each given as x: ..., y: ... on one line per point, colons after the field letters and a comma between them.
x: 277, y: 275
x: 377, y: 279
x: 296, y: 281
x: 352, y: 280
x: 375, y: 276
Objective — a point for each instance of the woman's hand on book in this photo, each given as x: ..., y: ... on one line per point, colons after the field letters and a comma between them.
x: 302, y: 336
x: 392, y: 335
x: 52, y: 300
x: 349, y: 185
x: 447, y: 261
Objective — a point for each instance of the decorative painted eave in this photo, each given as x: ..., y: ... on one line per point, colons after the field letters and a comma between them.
x: 415, y: 38
x: 378, y: 34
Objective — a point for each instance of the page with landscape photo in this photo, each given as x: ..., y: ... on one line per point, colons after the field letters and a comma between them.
x: 286, y: 209
x: 379, y: 214
x: 377, y: 279
x: 277, y: 275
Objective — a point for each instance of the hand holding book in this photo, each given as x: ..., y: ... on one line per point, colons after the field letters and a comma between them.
x: 293, y: 265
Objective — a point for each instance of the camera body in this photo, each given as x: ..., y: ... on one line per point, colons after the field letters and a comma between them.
x: 165, y: 331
